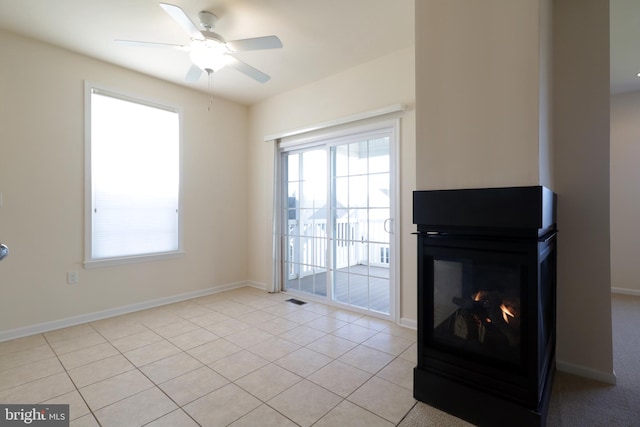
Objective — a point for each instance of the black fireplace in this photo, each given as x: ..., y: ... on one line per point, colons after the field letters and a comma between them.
x: 486, y: 303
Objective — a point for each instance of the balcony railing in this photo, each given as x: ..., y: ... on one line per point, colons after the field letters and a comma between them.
x: 308, y: 245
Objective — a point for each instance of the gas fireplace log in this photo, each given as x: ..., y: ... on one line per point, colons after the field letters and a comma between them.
x: 464, y: 326
x: 477, y: 332
x: 468, y: 304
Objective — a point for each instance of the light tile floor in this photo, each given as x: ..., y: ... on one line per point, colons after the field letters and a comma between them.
x: 241, y: 358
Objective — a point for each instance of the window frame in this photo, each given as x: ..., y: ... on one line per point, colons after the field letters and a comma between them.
x: 89, y: 261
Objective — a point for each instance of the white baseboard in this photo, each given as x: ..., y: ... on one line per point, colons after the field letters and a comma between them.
x: 257, y: 285
x: 409, y: 323
x: 98, y: 315
x: 582, y: 371
x: 625, y: 291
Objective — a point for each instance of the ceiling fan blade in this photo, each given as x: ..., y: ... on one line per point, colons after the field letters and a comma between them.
x: 257, y: 43
x: 247, y: 69
x: 193, y: 75
x: 183, y: 20
x: 152, y: 44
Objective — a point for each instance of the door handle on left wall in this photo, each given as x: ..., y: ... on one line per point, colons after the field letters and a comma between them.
x: 4, y: 251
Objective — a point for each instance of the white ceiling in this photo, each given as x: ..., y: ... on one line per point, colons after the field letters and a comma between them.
x: 320, y: 37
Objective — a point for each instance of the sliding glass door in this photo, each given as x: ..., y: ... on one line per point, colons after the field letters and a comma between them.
x: 306, y: 221
x: 361, y: 220
x: 337, y: 220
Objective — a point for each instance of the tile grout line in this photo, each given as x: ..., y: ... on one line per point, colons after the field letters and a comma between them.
x: 72, y: 381
x: 237, y: 385
x: 145, y: 375
x: 321, y: 312
x: 342, y: 399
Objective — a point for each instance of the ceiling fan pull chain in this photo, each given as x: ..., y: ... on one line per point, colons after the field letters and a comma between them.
x: 210, y: 84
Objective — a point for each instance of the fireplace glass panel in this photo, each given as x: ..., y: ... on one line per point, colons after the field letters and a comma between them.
x: 477, y: 308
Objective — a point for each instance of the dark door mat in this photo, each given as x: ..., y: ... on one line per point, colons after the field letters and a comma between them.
x: 296, y: 301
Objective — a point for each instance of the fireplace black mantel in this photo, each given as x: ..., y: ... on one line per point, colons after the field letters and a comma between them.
x: 486, y: 303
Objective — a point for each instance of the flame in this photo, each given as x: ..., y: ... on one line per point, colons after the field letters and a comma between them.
x: 479, y: 296
x: 506, y: 313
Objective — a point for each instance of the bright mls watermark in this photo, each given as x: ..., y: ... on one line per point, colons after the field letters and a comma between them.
x: 34, y: 415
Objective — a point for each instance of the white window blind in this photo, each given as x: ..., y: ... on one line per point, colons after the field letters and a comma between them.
x: 135, y: 177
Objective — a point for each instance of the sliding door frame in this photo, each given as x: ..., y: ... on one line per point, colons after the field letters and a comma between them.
x: 327, y: 138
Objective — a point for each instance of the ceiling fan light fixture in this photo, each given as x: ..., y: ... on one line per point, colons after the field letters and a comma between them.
x: 208, y: 56
x: 209, y: 51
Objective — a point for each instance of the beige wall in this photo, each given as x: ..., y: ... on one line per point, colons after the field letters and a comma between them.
x: 625, y: 194
x: 42, y: 182
x: 545, y: 95
x: 480, y: 123
x: 515, y: 93
x: 385, y: 81
x: 581, y: 117
x: 479, y: 94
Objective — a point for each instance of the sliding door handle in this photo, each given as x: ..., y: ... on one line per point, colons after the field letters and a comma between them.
x: 4, y: 251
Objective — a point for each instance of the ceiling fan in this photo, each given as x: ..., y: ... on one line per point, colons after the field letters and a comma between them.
x: 209, y: 51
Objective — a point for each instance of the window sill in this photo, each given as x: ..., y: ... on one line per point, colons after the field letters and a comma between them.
x: 108, y: 262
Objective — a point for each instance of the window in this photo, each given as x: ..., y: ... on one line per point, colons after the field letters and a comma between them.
x: 133, y: 179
